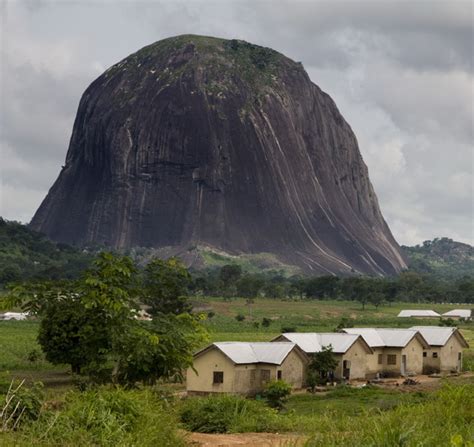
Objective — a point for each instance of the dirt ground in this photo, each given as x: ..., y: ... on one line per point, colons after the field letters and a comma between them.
x: 245, y: 440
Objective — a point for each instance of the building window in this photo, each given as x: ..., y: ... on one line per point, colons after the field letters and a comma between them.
x: 425, y: 354
x: 265, y: 375
x: 279, y: 376
x: 218, y: 377
x: 391, y: 359
x: 380, y: 359
x: 435, y: 355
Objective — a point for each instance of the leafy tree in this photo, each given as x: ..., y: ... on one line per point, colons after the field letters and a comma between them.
x: 166, y: 287
x: 322, y: 363
x: 276, y: 393
x: 249, y: 286
x: 90, y: 324
x: 229, y: 274
x: 322, y: 287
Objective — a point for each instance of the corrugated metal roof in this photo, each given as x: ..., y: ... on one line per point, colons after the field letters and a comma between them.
x: 381, y: 337
x: 461, y: 313
x: 258, y: 352
x: 418, y: 313
x: 435, y: 335
x: 311, y: 342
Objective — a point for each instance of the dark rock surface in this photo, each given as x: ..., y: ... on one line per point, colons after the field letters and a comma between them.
x: 202, y: 141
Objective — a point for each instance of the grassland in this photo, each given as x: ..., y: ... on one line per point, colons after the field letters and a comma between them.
x: 440, y: 413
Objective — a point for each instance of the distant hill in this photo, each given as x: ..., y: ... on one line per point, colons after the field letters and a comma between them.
x: 441, y: 257
x: 26, y: 254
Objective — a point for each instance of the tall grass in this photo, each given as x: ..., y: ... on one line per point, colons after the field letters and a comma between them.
x: 102, y: 417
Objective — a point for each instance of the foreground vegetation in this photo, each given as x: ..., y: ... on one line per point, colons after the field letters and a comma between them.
x: 113, y: 380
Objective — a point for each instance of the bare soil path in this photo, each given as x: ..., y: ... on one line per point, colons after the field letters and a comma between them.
x: 245, y: 440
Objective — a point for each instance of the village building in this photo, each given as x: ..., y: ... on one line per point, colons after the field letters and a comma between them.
x: 445, y: 351
x: 418, y: 313
x: 19, y: 316
x: 396, y: 351
x: 351, y: 351
x: 458, y: 314
x: 245, y: 368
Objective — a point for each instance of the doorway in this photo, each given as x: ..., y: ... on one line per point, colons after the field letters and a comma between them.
x: 404, y: 365
x: 346, y: 369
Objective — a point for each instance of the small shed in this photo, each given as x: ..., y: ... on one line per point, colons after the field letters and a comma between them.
x: 350, y: 350
x: 245, y: 368
x: 445, y: 353
x: 459, y: 314
x: 397, y: 351
x: 418, y: 313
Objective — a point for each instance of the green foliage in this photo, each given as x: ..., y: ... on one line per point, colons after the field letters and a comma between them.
x: 26, y: 254
x: 166, y: 287
x: 266, y: 322
x: 441, y: 258
x: 240, y: 317
x: 20, y: 404
x: 104, y: 417
x: 227, y: 414
x: 322, y: 363
x: 276, y: 393
x: 249, y: 286
x: 90, y: 324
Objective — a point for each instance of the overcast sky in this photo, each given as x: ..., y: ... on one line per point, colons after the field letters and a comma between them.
x: 400, y: 72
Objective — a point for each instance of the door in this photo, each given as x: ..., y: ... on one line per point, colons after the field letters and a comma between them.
x: 346, y: 369
x: 404, y: 365
x: 459, y: 361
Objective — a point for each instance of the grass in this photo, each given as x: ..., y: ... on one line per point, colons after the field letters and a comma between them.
x: 343, y: 416
x: 18, y: 338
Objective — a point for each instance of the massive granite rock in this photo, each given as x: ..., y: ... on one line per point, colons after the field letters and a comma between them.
x: 202, y: 141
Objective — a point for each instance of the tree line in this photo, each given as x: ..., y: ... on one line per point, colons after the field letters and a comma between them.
x: 232, y: 281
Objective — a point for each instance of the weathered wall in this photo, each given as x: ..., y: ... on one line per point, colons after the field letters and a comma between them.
x: 205, y: 365
x: 447, y: 360
x: 359, y: 358
x: 414, y: 352
x: 293, y: 369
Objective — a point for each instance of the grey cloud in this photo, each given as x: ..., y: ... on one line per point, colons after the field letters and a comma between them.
x: 400, y: 72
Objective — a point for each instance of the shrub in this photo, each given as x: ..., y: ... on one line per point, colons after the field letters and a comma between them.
x: 240, y: 317
x: 228, y: 414
x: 276, y: 393
x: 266, y: 322
x: 211, y: 314
x: 105, y: 417
x: 21, y: 404
x: 288, y: 328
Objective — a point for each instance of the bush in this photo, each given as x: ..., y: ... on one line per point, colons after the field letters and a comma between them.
x: 20, y: 404
x: 228, y: 414
x: 240, y: 317
x: 105, y: 417
x: 276, y: 393
x: 211, y: 314
x: 288, y: 329
x: 266, y: 322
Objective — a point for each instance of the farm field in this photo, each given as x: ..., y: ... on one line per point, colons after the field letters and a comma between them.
x: 18, y: 338
x: 391, y: 415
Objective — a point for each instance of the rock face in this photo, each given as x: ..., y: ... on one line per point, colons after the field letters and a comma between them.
x: 202, y: 141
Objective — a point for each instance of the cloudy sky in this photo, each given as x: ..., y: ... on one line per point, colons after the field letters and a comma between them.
x: 400, y: 72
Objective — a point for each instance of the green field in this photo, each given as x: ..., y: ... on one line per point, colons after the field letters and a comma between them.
x: 439, y: 413
x: 18, y: 338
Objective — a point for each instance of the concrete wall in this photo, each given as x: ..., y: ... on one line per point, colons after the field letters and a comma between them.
x: 293, y: 370
x: 414, y: 358
x: 357, y: 356
x: 241, y: 379
x: 205, y: 365
x: 414, y: 353
x: 447, y: 359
